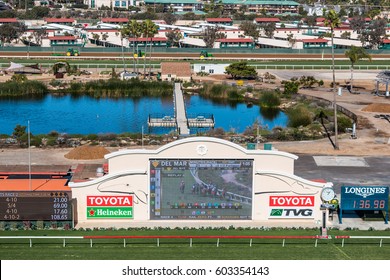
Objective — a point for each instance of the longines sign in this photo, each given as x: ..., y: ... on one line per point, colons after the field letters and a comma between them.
x: 364, y: 191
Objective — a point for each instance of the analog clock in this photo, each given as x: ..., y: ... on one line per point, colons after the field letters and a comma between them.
x: 327, y: 194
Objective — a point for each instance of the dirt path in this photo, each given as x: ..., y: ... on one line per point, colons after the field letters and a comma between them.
x: 373, y: 134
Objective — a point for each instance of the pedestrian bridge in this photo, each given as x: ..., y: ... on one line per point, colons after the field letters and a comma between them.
x: 181, y: 121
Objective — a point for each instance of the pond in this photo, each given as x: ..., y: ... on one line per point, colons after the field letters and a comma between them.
x: 86, y: 115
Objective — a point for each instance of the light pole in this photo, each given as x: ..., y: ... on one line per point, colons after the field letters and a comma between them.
x: 336, y: 146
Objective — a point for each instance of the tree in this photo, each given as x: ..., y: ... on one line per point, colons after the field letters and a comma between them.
x: 19, y: 132
x: 104, y: 38
x: 355, y: 54
x: 11, y: 31
x: 169, y: 18
x: 358, y: 24
x: 96, y: 37
x: 269, y: 29
x: 311, y: 21
x: 133, y: 30
x: 241, y: 70
x: 39, y: 34
x: 19, y: 78
x: 291, y: 40
x: 375, y: 33
x: 174, y: 37
x: 250, y: 29
x: 332, y: 21
x: 149, y: 29
x: 210, y: 36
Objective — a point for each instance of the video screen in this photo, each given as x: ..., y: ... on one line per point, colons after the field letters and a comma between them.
x: 201, y: 189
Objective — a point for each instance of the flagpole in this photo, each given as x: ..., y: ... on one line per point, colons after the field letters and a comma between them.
x: 142, y: 137
x: 29, y: 155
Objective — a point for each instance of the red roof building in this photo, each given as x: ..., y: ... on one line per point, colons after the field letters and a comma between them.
x: 225, y: 21
x: 156, y: 41
x: 219, y: 20
x: 8, y: 20
x: 60, y: 20
x: 265, y: 20
x: 62, y: 38
x: 236, y: 42
x: 318, y: 40
x: 115, y: 20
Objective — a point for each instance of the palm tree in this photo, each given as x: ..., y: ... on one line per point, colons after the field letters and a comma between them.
x: 332, y: 21
x: 135, y: 32
x: 355, y: 54
x: 104, y: 38
x: 123, y: 32
x: 149, y: 29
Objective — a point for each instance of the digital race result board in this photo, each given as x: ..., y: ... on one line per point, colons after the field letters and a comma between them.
x: 35, y: 206
x: 364, y: 198
x: 207, y: 189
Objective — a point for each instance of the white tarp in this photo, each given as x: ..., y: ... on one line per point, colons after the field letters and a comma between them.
x: 19, y: 68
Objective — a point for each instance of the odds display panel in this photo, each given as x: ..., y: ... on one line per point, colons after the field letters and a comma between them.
x: 35, y: 205
x: 207, y: 189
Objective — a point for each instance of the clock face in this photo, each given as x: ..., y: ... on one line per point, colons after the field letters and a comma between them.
x: 327, y: 194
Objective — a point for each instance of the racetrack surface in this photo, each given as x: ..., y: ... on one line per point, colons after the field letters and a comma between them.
x: 189, y: 55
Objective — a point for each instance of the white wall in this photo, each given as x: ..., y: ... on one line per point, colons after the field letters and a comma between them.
x: 273, y: 175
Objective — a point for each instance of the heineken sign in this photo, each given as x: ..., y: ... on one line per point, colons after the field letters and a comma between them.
x: 110, y: 207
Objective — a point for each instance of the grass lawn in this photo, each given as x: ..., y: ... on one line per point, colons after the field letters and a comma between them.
x: 201, y: 249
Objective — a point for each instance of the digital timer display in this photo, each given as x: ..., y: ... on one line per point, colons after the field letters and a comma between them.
x: 31, y: 206
x: 364, y: 197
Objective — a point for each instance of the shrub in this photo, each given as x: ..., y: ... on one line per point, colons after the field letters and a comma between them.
x: 269, y: 100
x: 234, y: 94
x: 92, y: 137
x: 299, y: 116
x: 290, y: 87
x: 343, y: 123
x: 217, y: 90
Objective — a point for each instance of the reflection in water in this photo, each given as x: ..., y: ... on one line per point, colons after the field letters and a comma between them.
x: 269, y: 113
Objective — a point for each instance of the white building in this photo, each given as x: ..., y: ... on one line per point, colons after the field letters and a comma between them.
x: 125, y: 4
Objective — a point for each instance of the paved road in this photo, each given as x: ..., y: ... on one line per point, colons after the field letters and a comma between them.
x: 375, y: 172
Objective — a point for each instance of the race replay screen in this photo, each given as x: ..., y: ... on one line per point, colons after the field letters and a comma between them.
x: 207, y: 189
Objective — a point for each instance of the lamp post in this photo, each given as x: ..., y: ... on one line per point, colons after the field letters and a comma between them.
x: 336, y: 146
x: 29, y: 155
